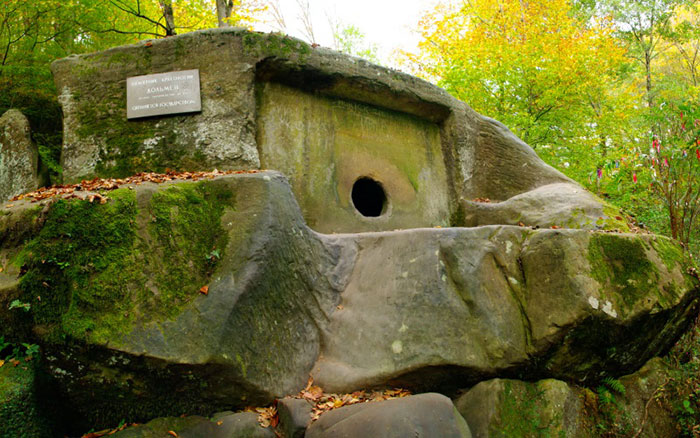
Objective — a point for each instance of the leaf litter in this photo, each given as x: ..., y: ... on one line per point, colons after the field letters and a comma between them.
x: 87, y: 189
x: 323, y: 402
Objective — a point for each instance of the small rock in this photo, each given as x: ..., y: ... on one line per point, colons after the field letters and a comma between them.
x: 427, y: 415
x: 295, y: 416
x: 240, y: 425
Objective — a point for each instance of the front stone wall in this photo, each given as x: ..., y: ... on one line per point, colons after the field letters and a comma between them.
x: 325, y: 145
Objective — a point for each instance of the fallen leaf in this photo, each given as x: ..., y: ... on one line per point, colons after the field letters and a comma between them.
x: 520, y: 224
x: 339, y: 306
x: 309, y: 383
x: 2, y: 362
x: 219, y: 423
x: 170, y: 432
x: 314, y: 393
x: 204, y: 290
x: 555, y: 227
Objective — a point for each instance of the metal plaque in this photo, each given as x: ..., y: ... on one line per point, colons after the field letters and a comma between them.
x: 175, y: 92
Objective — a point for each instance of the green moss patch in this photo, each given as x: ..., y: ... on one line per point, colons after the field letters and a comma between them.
x: 669, y: 252
x: 620, y: 263
x: 611, y: 221
x: 522, y: 413
x: 271, y: 44
x: 94, y: 270
x: 186, y: 240
x: 19, y: 411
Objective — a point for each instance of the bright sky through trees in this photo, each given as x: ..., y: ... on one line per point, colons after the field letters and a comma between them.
x: 389, y: 24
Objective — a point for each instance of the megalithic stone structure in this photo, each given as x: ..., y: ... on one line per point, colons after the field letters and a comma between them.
x: 399, y: 239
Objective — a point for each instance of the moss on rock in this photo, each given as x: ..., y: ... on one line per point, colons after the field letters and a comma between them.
x: 283, y: 46
x: 20, y: 415
x: 186, y: 223
x: 621, y: 263
x: 94, y: 270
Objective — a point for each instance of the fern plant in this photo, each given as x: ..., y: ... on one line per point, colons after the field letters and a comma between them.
x: 607, y: 390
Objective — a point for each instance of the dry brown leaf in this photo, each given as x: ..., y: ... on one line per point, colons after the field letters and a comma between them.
x: 204, y: 290
x: 309, y: 383
x: 107, y: 184
x: 172, y: 433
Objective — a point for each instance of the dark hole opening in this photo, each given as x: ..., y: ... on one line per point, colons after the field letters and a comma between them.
x: 368, y: 197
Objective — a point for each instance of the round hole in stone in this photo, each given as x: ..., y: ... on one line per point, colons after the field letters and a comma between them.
x: 368, y: 197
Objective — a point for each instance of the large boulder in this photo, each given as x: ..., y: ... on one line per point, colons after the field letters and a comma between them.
x: 19, y: 156
x: 115, y: 296
x: 324, y: 119
x: 450, y: 307
x: 129, y: 331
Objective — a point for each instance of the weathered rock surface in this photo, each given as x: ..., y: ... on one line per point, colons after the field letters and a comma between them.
x: 426, y: 415
x: 127, y: 295
x: 513, y: 408
x: 454, y: 306
x: 116, y: 301
x: 19, y: 157
x: 547, y: 206
x: 295, y: 417
x: 322, y: 118
x: 241, y: 425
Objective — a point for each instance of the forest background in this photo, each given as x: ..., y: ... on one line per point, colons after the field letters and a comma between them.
x: 606, y: 91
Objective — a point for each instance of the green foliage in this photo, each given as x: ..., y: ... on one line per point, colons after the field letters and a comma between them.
x: 590, y: 97
x: 682, y: 395
x: 613, y: 386
x: 351, y: 40
x: 17, y: 304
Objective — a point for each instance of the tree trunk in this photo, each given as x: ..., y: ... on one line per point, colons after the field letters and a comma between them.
x: 224, y: 8
x: 647, y: 65
x: 167, y: 7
